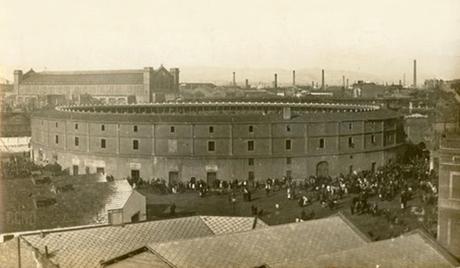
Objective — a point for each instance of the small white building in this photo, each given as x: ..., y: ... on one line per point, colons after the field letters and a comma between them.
x: 126, y: 205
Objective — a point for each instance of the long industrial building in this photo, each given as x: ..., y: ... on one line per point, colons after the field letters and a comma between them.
x: 225, y: 140
x: 112, y: 86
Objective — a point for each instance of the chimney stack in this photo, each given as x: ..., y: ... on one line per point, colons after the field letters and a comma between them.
x: 275, y: 84
x: 347, y: 83
x: 322, y: 80
x: 247, y: 83
x: 234, y: 79
x: 312, y: 84
x: 293, y: 77
x: 415, y: 73
x: 343, y: 81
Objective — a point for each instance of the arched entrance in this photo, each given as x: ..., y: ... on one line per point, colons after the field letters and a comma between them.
x: 322, y: 169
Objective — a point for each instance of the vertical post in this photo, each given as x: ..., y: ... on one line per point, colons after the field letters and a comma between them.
x: 19, y: 251
x: 322, y: 80
x: 275, y: 85
x: 293, y: 77
x: 415, y: 73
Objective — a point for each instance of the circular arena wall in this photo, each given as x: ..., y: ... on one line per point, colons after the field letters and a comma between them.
x: 225, y: 140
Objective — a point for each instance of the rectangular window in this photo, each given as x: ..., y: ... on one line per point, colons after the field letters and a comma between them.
x: 250, y: 145
x: 102, y: 143
x: 288, y: 128
x: 350, y: 126
x: 321, y: 143
x: 211, y: 146
x: 373, y: 140
x: 350, y: 142
x: 251, y: 129
x: 288, y: 145
x: 102, y: 127
x: 251, y: 162
x: 77, y: 141
x: 288, y: 161
x: 135, y: 144
x: 57, y: 124
x: 45, y: 202
x: 211, y: 129
x: 57, y: 139
x: 76, y: 126
x: 135, y: 128
x: 172, y: 129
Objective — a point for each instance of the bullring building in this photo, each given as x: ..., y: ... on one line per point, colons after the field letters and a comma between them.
x: 225, y: 141
x: 114, y: 86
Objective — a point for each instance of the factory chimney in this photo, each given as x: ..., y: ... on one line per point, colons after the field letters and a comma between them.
x: 247, y: 83
x: 322, y: 80
x: 343, y: 81
x: 415, y: 73
x: 275, y: 83
x: 234, y: 79
x: 347, y: 83
x: 293, y: 77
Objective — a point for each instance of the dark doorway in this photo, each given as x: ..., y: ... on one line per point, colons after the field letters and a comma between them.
x: 135, y: 174
x: 100, y: 170
x: 322, y: 169
x: 135, y: 217
x: 173, y: 177
x: 75, y: 170
x: 350, y: 169
x: 211, y: 177
x: 373, y: 167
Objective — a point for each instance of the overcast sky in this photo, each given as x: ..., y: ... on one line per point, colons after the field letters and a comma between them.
x: 380, y: 37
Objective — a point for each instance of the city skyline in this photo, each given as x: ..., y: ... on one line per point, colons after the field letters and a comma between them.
x: 295, y: 35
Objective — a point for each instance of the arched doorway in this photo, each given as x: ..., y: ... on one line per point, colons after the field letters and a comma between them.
x: 322, y: 169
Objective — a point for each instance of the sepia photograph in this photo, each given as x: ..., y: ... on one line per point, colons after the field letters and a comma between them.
x: 228, y: 134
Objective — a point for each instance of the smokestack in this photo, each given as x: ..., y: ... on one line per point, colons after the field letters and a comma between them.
x: 293, y: 77
x: 415, y: 73
x: 234, y: 79
x: 400, y: 83
x: 247, y: 83
x: 322, y: 79
x: 404, y: 79
x: 343, y: 81
x: 275, y: 84
x: 312, y: 84
x: 347, y: 83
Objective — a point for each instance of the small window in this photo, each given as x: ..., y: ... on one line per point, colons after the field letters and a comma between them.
x: 251, y: 162
x: 135, y: 128
x: 350, y: 142
x: 102, y: 143
x: 57, y: 139
x: 172, y: 129
x: 135, y: 144
x: 288, y: 173
x: 251, y: 129
x: 77, y: 141
x: 350, y: 126
x: 373, y: 139
x: 288, y: 144
x: 250, y: 145
x: 211, y: 129
x: 102, y: 127
x: 211, y: 146
x: 288, y: 128
x: 288, y: 161
x: 46, y: 202
x: 321, y: 143
x: 57, y: 124
x: 76, y: 125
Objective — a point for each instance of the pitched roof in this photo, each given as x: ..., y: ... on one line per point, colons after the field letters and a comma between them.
x: 88, y: 246
x: 121, y: 195
x: 124, y: 77
x: 275, y: 244
x: 411, y: 250
x: 9, y: 255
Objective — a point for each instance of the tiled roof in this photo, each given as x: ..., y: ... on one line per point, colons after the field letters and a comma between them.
x: 276, y: 244
x: 412, y: 250
x: 225, y: 225
x: 87, y: 247
x: 123, y: 77
x: 246, y: 116
x: 9, y: 255
x: 144, y: 259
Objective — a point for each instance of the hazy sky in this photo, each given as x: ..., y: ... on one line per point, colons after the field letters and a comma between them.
x: 379, y: 37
